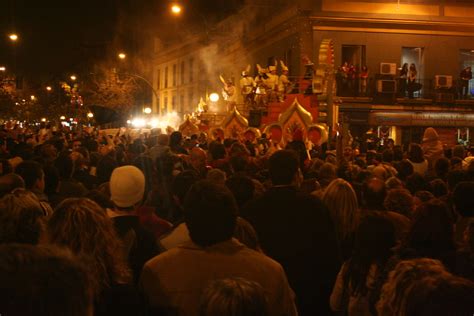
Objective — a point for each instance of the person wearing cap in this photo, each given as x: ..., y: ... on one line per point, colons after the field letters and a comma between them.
x: 127, y: 187
x: 247, y: 87
x: 432, y: 146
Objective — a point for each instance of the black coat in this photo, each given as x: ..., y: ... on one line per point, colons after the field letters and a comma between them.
x: 296, y: 230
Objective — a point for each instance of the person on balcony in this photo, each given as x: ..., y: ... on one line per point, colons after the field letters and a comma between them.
x: 465, y: 77
x: 284, y: 84
x: 364, y: 78
x: 412, y: 84
x: 402, y: 80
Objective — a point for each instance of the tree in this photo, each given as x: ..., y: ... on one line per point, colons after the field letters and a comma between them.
x: 108, y: 88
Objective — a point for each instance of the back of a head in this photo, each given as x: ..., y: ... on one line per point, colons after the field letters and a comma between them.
x: 458, y: 151
x: 233, y: 297
x: 415, y: 153
x: 441, y: 166
x: 210, y: 212
x: 217, y: 176
x: 182, y: 183
x: 21, y: 218
x: 217, y: 150
x: 65, y: 165
x: 9, y: 182
x: 401, y: 279
x: 163, y: 140
x: 373, y: 194
x: 387, y: 155
x: 400, y: 201
x: 43, y: 281
x: 439, y: 295
x: 30, y: 171
x: 176, y: 138
x: 431, y: 233
x: 283, y: 167
x: 242, y: 187
x: 463, y: 198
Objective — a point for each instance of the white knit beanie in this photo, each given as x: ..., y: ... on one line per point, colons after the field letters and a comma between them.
x: 127, y: 186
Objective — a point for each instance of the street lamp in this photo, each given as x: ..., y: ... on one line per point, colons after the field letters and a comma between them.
x: 90, y: 115
x: 48, y: 88
x: 3, y: 68
x: 176, y: 9
x: 122, y: 56
x: 32, y: 97
x: 214, y: 97
x: 73, y: 77
x: 147, y: 110
x: 13, y: 37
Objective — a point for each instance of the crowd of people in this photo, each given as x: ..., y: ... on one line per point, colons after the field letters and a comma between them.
x: 97, y: 224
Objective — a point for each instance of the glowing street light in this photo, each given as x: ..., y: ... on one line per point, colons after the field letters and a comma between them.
x: 147, y: 110
x: 3, y: 68
x: 62, y: 118
x: 176, y: 9
x: 90, y: 115
x: 13, y: 37
x: 73, y: 77
x: 48, y: 88
x: 122, y: 56
x: 214, y: 97
x: 43, y: 119
x: 32, y: 97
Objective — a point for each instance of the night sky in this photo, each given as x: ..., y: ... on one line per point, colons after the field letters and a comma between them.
x: 58, y: 37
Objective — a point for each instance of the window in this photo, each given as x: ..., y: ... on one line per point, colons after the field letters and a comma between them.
x: 353, y: 55
x: 191, y: 70
x: 182, y: 72
x: 174, y: 75
x: 166, y: 77
x: 158, y: 79
x: 173, y: 102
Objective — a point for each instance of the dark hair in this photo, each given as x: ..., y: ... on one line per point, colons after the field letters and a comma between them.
x: 415, y: 182
x: 405, y: 169
x: 438, y: 188
x: 242, y: 187
x: 217, y: 150
x: 454, y: 177
x: 431, y: 234
x: 175, y: 138
x: 30, y: 171
x: 399, y: 201
x: 283, y: 167
x: 233, y: 296
x: 440, y: 295
x: 463, y: 198
x: 369, y: 250
x: 415, y: 153
x: 105, y: 167
x: 9, y: 182
x: 441, y: 167
x: 51, y: 179
x: 387, y: 155
x: 65, y: 165
x: 397, y: 153
x: 21, y: 218
x: 210, y: 212
x: 43, y: 281
x: 373, y: 194
x: 182, y: 183
x: 6, y: 167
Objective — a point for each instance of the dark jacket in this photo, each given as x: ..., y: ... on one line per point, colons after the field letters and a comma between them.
x: 295, y: 229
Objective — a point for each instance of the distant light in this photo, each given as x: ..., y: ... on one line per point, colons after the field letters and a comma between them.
x: 62, y: 117
x: 122, y: 55
x: 16, y: 103
x: 32, y: 98
x: 49, y: 88
x: 73, y: 77
x: 139, y: 123
x: 43, y: 119
x: 214, y: 97
x: 90, y: 115
x: 2, y: 68
x: 71, y: 119
x: 176, y: 8
x: 147, y: 110
x: 13, y: 37
x: 129, y: 122
x: 23, y: 100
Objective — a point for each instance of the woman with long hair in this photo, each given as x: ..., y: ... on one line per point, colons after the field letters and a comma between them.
x: 412, y: 74
x: 374, y: 241
x: 341, y: 200
x: 84, y: 227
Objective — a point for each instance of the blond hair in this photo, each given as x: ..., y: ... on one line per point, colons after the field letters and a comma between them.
x: 341, y: 200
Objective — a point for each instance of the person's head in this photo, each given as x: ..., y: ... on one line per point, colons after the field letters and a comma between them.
x: 9, y: 182
x: 283, y: 167
x: 341, y: 200
x: 163, y: 140
x: 210, y: 212
x: 374, y: 239
x: 176, y: 139
x: 456, y: 163
x: 416, y: 182
x: 415, y: 153
x: 233, y: 296
x: 327, y: 172
x: 438, y: 295
x: 458, y: 151
x: 400, y: 201
x: 393, y: 183
x: 105, y: 167
x: 412, y: 67
x: 181, y: 185
x: 83, y: 226
x: 217, y: 150
x: 373, y: 194
x: 401, y: 279
x: 65, y: 165
x: 463, y: 198
x: 43, y: 281
x: 22, y: 218
x: 405, y: 169
x: 438, y: 188
x: 441, y: 167
x: 454, y: 177
x: 32, y: 173
x: 242, y: 187
x: 387, y: 155
x: 127, y: 186
x: 431, y: 234
x: 217, y: 176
